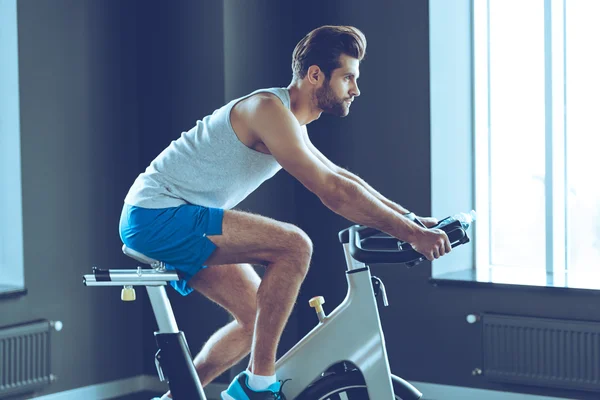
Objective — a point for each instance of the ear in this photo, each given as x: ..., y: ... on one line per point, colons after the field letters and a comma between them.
x: 315, y: 75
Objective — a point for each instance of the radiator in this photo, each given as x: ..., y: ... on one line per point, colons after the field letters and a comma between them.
x: 24, y: 358
x: 542, y: 352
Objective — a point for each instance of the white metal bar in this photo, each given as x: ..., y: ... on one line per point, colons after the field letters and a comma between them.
x: 162, y: 309
x: 559, y: 183
x: 133, y: 277
x: 548, y: 128
x: 555, y: 139
x: 481, y: 123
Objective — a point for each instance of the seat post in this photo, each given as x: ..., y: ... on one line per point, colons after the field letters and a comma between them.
x: 162, y: 309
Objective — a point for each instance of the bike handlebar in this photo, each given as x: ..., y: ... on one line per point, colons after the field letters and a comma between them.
x: 372, y: 246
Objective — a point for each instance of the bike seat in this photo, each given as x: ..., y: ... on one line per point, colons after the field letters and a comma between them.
x: 138, y: 256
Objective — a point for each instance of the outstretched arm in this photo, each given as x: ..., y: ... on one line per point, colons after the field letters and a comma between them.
x: 280, y: 132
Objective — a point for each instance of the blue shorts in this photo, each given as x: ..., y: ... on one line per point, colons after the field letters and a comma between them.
x: 174, y: 235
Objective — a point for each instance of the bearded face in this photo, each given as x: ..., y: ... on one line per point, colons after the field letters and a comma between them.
x: 329, y: 102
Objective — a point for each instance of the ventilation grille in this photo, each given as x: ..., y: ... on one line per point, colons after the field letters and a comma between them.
x: 542, y: 352
x: 24, y: 358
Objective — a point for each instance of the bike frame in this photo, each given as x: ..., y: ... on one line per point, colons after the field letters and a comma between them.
x: 173, y: 360
x: 351, y: 332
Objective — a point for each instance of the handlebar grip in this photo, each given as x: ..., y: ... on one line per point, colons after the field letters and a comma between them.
x: 403, y: 253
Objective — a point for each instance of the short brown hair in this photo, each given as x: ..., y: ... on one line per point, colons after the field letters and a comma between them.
x: 323, y: 47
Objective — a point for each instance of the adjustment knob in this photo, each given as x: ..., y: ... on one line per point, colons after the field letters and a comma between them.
x: 317, y: 303
x: 128, y: 293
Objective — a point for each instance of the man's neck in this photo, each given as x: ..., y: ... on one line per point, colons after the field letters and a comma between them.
x: 302, y: 103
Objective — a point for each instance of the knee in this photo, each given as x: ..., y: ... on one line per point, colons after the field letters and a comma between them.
x: 247, y: 324
x: 299, y: 248
x: 247, y: 321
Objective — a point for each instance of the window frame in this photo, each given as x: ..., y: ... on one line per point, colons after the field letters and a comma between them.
x: 554, y: 79
x: 12, y: 273
x: 477, y: 267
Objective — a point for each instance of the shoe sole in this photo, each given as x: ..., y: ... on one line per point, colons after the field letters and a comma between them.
x: 225, y: 396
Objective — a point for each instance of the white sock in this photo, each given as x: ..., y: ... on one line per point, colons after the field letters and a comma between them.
x: 259, y: 382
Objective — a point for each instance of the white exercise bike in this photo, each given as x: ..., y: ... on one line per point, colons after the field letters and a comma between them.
x: 342, y: 357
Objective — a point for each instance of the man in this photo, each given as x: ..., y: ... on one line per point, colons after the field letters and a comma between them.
x: 180, y: 209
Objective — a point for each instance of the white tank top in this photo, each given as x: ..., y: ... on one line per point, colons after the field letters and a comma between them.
x: 208, y: 166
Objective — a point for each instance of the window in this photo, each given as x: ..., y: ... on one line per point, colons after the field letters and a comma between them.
x: 11, y: 226
x: 535, y: 136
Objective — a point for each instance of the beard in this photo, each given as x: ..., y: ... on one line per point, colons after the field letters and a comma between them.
x: 329, y: 102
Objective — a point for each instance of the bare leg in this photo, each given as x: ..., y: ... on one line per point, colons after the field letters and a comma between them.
x: 225, y: 348
x: 233, y: 287
x: 286, y: 251
x: 276, y: 298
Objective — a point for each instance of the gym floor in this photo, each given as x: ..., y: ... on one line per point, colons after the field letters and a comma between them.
x: 139, y: 396
x: 142, y: 396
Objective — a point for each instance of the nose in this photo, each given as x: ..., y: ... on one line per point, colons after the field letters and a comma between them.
x: 355, y: 91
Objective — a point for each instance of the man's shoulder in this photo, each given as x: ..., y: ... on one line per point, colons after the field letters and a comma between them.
x: 263, y: 105
x: 264, y: 100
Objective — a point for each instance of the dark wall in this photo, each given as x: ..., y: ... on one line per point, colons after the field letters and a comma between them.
x: 106, y: 85
x: 79, y: 136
